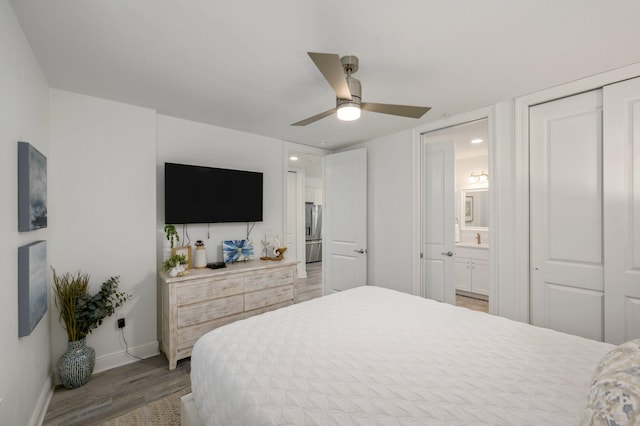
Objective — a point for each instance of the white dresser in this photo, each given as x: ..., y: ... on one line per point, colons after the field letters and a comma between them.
x: 471, y: 270
x: 209, y: 298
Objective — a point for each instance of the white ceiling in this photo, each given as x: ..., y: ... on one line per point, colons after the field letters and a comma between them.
x: 312, y: 164
x: 243, y: 64
x: 463, y: 134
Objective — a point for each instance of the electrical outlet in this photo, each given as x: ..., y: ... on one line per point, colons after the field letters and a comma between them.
x: 121, y: 323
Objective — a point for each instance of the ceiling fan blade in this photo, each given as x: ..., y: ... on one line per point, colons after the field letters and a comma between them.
x: 315, y: 118
x: 401, y: 110
x: 331, y: 68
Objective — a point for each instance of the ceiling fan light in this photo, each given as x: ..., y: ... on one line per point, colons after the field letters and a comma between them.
x: 348, y: 112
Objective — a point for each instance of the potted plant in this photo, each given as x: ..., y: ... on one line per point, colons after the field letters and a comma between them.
x: 81, y: 313
x: 172, y: 234
x: 173, y: 265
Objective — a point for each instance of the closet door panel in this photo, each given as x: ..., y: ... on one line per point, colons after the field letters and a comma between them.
x: 622, y: 210
x: 584, y: 304
x: 566, y: 215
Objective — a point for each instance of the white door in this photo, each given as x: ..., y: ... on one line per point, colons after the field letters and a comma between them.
x: 345, y: 220
x: 622, y: 210
x: 566, y: 215
x: 438, y: 207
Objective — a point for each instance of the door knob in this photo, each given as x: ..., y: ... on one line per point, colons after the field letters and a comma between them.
x: 361, y: 251
x: 447, y: 253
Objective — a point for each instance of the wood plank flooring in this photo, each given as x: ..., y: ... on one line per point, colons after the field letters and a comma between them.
x: 114, y: 392
x: 472, y: 303
x: 311, y: 287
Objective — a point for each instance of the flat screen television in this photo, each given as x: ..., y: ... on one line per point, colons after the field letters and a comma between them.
x: 196, y: 194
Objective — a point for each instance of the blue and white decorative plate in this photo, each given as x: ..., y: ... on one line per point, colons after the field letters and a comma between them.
x: 236, y: 250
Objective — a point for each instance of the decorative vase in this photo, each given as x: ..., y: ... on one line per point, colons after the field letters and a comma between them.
x: 200, y: 260
x: 173, y: 272
x: 76, y: 365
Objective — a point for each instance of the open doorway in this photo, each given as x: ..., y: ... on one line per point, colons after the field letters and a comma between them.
x: 456, y: 262
x: 305, y: 199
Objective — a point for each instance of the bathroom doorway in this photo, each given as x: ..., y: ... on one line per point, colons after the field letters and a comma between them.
x: 457, y: 261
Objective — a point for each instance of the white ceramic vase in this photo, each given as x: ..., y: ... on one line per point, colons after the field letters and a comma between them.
x: 200, y: 260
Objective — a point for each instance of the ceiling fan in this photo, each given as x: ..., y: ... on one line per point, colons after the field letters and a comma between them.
x: 337, y: 71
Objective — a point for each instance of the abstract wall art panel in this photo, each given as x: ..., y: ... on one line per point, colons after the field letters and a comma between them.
x: 32, y: 188
x: 32, y: 286
x: 237, y: 250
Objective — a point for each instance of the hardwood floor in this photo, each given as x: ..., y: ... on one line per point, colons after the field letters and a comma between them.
x: 114, y: 392
x: 311, y: 287
x: 472, y: 303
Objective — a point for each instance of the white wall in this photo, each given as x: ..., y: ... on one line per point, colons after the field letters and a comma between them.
x: 189, y: 142
x: 25, y: 380
x: 389, y: 215
x: 102, y: 213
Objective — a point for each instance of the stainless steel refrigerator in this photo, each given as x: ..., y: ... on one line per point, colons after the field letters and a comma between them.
x: 313, y: 232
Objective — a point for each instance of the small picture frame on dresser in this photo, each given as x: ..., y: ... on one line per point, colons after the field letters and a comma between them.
x: 186, y: 252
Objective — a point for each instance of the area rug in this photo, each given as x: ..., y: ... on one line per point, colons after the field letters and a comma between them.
x: 163, y: 412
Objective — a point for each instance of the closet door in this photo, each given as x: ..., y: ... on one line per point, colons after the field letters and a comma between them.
x: 566, y: 215
x: 622, y: 210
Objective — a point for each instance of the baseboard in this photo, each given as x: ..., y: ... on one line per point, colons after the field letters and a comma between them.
x: 40, y: 410
x: 117, y: 359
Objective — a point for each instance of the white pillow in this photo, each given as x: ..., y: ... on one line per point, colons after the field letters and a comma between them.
x: 614, y: 396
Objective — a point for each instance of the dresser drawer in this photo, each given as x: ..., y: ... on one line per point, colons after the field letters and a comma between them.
x: 209, y: 310
x: 271, y: 296
x: 254, y: 312
x: 268, y: 280
x: 187, y: 336
x: 208, y: 288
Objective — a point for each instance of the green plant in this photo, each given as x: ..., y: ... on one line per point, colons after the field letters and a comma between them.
x: 173, y: 261
x: 81, y: 312
x: 172, y: 234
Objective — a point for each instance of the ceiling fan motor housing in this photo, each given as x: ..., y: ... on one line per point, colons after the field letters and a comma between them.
x: 356, y: 92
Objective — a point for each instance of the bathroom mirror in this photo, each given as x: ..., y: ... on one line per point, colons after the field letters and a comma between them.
x: 474, y: 212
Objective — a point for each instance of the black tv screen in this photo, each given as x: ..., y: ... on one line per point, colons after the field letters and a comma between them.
x: 196, y: 194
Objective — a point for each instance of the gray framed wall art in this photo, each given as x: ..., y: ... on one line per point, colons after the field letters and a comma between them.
x: 32, y: 286
x: 32, y: 188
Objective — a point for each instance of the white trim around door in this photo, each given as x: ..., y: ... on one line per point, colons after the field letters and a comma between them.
x: 489, y: 114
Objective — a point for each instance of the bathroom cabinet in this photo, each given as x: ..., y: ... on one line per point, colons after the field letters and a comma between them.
x: 471, y: 269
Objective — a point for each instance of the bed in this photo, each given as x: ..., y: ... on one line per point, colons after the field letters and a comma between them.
x: 373, y: 356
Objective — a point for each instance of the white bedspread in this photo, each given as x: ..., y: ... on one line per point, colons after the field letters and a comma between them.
x: 372, y: 356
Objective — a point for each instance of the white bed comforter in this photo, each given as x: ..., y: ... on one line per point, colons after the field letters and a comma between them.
x: 372, y: 356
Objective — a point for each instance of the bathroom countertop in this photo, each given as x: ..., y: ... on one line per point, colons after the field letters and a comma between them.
x: 473, y: 245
